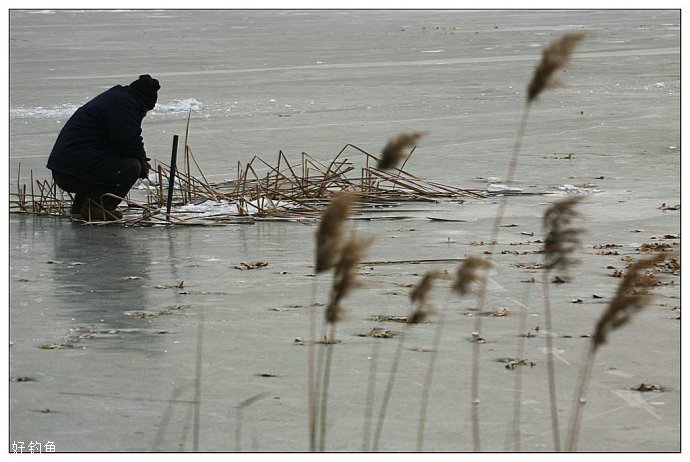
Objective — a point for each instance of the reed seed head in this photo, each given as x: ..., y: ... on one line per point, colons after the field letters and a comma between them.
x: 420, y: 294
x: 330, y: 231
x: 562, y: 240
x: 421, y: 291
x: 345, y: 278
x: 394, y: 150
x: 553, y: 58
x: 628, y: 299
x: 468, y: 273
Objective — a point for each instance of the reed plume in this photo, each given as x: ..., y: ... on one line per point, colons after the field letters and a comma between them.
x: 394, y: 150
x: 344, y: 282
x: 631, y: 297
x: 420, y: 296
x: 330, y: 231
x: 468, y: 274
x: 345, y: 275
x: 561, y: 241
x: 556, y: 56
x: 328, y: 244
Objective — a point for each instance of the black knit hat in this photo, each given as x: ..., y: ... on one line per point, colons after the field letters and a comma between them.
x: 146, y: 90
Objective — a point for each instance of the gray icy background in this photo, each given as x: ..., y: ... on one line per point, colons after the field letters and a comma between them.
x: 263, y: 81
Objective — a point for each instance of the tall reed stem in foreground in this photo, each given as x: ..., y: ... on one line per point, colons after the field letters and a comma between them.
x: 369, y: 407
x: 197, y: 381
x: 344, y: 281
x: 328, y: 245
x: 554, y: 57
x: 632, y: 296
x: 420, y: 296
x: 467, y: 274
x: 517, y: 384
x: 560, y: 242
x: 240, y: 413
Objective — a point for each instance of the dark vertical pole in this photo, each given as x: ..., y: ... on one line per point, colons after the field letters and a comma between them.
x: 171, y: 180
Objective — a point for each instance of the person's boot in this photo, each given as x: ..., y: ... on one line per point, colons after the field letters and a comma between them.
x: 91, y: 211
x: 77, y: 204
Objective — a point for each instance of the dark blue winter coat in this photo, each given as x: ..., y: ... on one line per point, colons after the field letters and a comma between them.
x: 98, y: 135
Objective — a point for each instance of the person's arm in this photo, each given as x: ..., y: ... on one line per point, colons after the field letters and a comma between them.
x: 123, y: 118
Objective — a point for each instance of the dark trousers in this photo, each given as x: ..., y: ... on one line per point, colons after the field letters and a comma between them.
x: 130, y: 169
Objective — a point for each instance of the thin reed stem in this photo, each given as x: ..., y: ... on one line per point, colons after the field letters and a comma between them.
x: 240, y: 414
x: 238, y: 430
x: 481, y: 297
x: 318, y: 376
x: 371, y: 388
x: 580, y: 400
x: 632, y: 296
x: 426, y: 391
x: 313, y: 398
x: 517, y: 385
x: 324, y: 390
x: 165, y: 419
x: 389, y: 391
x: 33, y: 201
x: 550, y: 365
x: 197, y: 381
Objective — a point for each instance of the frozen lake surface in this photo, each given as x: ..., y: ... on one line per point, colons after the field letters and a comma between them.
x: 105, y: 321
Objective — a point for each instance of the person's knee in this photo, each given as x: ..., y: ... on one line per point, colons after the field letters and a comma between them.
x: 68, y: 182
x: 130, y: 168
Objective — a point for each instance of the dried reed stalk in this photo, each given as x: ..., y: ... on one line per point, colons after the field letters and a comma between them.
x: 197, y: 380
x: 553, y: 58
x: 240, y: 413
x: 307, y: 193
x: 188, y: 169
x: 165, y: 419
x: 371, y: 387
x: 561, y: 241
x: 631, y: 297
x: 420, y: 297
x: 344, y: 282
x: 517, y: 386
x: 394, y: 150
x: 468, y: 274
x: 312, y: 389
x: 328, y: 245
x: 428, y: 380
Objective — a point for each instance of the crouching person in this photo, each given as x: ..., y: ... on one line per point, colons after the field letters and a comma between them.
x: 100, y: 150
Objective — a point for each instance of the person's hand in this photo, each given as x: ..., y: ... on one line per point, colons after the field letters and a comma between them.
x: 145, y: 169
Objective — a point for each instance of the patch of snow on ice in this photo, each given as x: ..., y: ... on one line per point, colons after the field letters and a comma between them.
x: 496, y: 188
x: 61, y: 110
x: 210, y: 208
x: 177, y: 105
x: 571, y: 189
